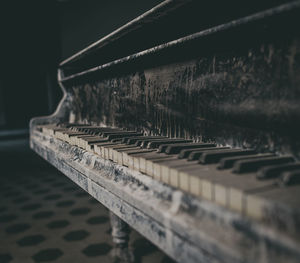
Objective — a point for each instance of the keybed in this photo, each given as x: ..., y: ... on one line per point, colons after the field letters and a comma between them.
x: 242, y: 180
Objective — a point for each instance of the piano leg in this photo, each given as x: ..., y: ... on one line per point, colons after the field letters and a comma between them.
x: 120, y: 236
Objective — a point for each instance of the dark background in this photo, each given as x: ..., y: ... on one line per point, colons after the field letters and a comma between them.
x: 36, y: 36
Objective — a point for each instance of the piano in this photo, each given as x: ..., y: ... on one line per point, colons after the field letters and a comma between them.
x: 185, y: 124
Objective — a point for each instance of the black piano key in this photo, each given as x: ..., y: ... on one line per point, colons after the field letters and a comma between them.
x: 107, y: 133
x: 209, y: 157
x: 144, y: 142
x: 91, y: 132
x: 94, y: 140
x: 117, y: 140
x: 126, y: 139
x: 228, y: 162
x: 176, y: 148
x: 86, y: 130
x: 75, y: 135
x: 117, y: 132
x: 93, y: 128
x: 253, y: 165
x: 91, y: 138
x: 290, y: 178
x: 157, y: 143
x: 133, y: 140
x: 104, y: 131
x: 97, y: 130
x: 272, y: 171
x: 186, y: 152
x: 122, y: 135
x: 162, y: 148
x: 74, y: 126
x: 195, y: 154
x: 82, y: 127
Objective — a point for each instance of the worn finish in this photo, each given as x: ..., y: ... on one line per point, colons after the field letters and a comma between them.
x: 244, y: 92
x: 183, y: 226
x: 203, y: 100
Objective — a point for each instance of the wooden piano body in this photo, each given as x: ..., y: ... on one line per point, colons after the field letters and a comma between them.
x: 202, y: 71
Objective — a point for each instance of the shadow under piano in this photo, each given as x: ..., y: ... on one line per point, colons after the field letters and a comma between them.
x: 185, y: 124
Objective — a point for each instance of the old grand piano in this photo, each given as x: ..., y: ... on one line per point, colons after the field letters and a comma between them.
x: 185, y: 124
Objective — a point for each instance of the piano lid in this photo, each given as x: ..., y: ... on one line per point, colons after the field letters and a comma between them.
x: 170, y: 20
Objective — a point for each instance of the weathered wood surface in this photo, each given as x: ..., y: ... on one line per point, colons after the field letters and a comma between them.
x: 237, y: 84
x: 186, y: 228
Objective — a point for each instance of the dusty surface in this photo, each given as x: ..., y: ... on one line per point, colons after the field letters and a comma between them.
x: 237, y: 84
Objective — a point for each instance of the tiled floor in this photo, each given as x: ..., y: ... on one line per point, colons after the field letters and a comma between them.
x: 45, y: 217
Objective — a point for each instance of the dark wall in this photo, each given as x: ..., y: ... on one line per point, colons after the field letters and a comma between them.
x: 36, y: 35
x: 85, y: 21
x: 30, y: 51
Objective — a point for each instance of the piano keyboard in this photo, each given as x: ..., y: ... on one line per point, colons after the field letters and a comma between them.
x: 239, y: 179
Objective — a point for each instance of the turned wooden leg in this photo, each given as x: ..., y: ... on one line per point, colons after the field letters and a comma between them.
x: 120, y: 235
